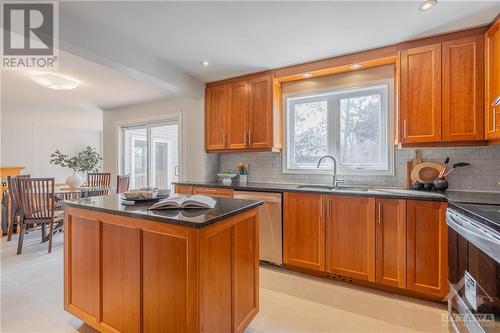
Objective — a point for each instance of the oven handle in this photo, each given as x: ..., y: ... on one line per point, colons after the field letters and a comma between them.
x: 489, y: 245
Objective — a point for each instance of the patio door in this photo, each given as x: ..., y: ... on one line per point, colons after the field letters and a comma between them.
x: 150, y: 154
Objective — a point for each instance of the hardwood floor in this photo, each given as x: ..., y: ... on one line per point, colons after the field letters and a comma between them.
x: 32, y: 285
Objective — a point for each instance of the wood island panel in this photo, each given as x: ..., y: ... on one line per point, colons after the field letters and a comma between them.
x: 124, y: 274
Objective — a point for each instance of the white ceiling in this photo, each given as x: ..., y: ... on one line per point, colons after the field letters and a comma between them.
x: 100, y: 88
x: 242, y: 37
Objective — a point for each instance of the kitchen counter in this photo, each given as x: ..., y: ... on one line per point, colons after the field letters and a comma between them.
x: 180, y: 268
x: 195, y: 218
x: 395, y: 193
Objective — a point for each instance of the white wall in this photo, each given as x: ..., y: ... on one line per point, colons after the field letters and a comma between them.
x: 29, y: 136
x: 193, y: 152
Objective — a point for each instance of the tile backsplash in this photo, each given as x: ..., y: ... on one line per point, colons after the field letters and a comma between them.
x: 482, y: 175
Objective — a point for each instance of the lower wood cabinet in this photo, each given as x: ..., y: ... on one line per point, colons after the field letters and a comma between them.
x: 213, y: 192
x: 350, y: 237
x: 183, y: 189
x: 390, y: 242
x: 427, y: 246
x: 304, y: 231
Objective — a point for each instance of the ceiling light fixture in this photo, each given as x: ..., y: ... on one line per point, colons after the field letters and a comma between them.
x: 427, y: 4
x: 54, y: 80
x: 307, y: 75
x: 356, y: 66
x: 204, y: 63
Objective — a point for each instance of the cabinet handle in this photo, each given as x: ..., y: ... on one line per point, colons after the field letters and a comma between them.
x: 321, y: 208
x: 245, y: 140
x: 405, y: 129
x: 494, y: 118
x: 379, y: 218
x: 249, y: 138
x: 224, y: 140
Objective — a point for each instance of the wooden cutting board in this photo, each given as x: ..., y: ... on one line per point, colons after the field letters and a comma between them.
x: 425, y: 172
x: 410, y: 165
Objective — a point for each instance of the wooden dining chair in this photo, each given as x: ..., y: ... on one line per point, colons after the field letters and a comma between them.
x: 122, y: 183
x: 15, y: 205
x: 38, y: 208
x: 101, y: 181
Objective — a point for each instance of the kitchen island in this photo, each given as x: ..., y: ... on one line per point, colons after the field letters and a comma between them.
x: 130, y: 269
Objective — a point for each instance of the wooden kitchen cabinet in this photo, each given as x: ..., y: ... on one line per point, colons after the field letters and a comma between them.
x: 463, y: 82
x: 420, y: 100
x: 304, y: 230
x: 183, y: 189
x: 442, y: 92
x: 216, y: 117
x: 214, y: 192
x: 238, y: 115
x: 390, y: 242
x: 350, y: 236
x: 427, y: 246
x: 492, y: 76
x: 244, y: 114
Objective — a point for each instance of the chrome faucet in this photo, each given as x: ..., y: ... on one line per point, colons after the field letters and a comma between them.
x: 335, y: 180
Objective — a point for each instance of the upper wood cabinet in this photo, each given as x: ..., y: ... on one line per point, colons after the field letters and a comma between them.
x: 350, y: 237
x: 441, y: 92
x: 390, y: 242
x: 216, y: 114
x: 427, y: 246
x: 492, y: 86
x: 243, y: 114
x: 463, y: 81
x: 421, y: 94
x: 304, y: 231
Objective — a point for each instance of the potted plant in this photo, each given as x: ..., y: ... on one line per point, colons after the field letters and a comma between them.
x: 226, y: 175
x: 84, y: 162
x: 242, y: 171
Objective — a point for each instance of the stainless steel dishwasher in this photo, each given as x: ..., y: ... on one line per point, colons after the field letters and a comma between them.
x: 270, y: 225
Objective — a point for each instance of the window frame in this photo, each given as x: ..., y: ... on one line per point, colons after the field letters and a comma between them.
x: 332, y: 93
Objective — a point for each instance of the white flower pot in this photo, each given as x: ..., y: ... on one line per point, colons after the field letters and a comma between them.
x: 74, y: 181
x: 243, y: 178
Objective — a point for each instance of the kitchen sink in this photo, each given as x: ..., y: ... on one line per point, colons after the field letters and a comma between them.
x: 333, y: 189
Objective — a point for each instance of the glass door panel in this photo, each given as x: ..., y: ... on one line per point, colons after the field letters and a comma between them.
x: 136, y: 156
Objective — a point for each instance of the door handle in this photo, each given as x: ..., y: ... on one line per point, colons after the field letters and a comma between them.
x: 379, y: 213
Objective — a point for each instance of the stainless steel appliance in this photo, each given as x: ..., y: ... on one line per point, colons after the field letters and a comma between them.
x: 474, y: 267
x: 270, y: 225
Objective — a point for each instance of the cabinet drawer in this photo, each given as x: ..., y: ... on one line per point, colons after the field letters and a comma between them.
x: 214, y: 192
x: 183, y: 189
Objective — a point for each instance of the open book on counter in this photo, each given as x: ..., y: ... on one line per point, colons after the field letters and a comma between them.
x: 181, y: 201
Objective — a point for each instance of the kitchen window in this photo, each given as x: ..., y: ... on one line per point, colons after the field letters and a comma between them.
x: 353, y: 125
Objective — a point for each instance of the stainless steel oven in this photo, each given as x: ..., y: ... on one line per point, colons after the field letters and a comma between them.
x: 474, y: 270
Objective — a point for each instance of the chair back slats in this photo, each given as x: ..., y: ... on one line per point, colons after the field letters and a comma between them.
x: 68, y: 195
x: 99, y: 179
x: 37, y: 198
x: 122, y: 183
x: 13, y: 189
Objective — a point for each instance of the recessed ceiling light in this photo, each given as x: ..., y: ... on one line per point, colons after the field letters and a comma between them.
x: 427, y: 4
x: 356, y: 66
x: 307, y: 75
x: 54, y: 80
x: 204, y: 63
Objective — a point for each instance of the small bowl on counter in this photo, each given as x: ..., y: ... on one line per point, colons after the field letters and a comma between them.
x: 440, y: 184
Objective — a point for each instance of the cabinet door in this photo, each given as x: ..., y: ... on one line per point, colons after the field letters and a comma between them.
x: 350, y: 237
x: 427, y: 247
x: 492, y: 61
x: 261, y: 113
x: 238, y: 115
x: 463, y: 113
x: 304, y: 231
x: 390, y: 239
x: 216, y: 117
x: 420, y: 101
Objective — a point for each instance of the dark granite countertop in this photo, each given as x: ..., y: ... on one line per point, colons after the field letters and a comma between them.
x: 396, y: 193
x: 194, y: 218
